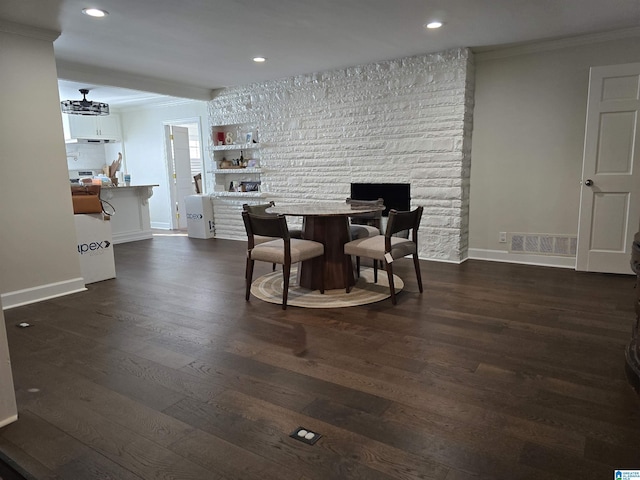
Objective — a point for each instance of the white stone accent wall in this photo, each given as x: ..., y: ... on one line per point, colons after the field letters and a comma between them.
x: 401, y: 121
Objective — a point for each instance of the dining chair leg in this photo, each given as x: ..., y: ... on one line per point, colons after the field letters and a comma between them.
x: 375, y: 271
x: 358, y: 266
x: 286, y: 272
x: 273, y: 267
x: 389, y: 268
x: 322, y: 277
x: 416, y: 263
x: 248, y: 277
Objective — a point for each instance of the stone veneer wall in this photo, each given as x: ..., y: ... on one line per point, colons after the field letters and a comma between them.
x: 401, y: 121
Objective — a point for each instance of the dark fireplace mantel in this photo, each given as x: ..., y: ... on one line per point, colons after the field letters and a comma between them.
x: 396, y: 196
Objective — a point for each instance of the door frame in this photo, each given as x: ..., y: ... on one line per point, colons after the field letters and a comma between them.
x: 168, y: 157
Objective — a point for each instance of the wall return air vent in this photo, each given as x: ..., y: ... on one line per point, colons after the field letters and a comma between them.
x: 543, y: 244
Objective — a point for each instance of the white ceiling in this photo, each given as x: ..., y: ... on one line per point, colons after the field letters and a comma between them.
x: 114, y: 96
x: 185, y: 48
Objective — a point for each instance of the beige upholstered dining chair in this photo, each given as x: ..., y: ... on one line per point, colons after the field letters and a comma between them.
x: 387, y: 248
x: 365, y: 224
x: 261, y: 209
x: 282, y: 250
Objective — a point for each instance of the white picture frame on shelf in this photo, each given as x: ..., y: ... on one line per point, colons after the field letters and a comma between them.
x: 249, y: 137
x: 252, y: 163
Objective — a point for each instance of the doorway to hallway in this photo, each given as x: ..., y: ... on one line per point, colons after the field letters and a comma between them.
x: 184, y: 158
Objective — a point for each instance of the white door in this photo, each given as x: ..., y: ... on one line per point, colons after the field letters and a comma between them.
x: 610, y: 193
x: 179, y: 166
x: 182, y: 162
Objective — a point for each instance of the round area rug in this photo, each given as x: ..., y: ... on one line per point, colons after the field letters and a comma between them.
x: 269, y: 288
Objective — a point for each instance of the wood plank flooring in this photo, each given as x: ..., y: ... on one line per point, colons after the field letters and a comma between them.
x: 496, y: 371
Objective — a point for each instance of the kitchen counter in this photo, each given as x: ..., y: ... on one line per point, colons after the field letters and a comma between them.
x: 131, y: 220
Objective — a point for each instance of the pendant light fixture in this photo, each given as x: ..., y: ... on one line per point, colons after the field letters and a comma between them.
x: 84, y: 106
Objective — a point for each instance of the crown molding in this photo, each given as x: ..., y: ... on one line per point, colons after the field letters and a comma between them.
x: 78, y: 72
x: 492, y: 53
x: 155, y: 103
x: 28, y: 31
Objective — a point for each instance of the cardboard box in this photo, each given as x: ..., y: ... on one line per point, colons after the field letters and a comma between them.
x: 95, y: 247
x: 200, y: 222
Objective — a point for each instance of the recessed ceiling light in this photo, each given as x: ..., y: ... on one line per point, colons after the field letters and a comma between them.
x: 433, y: 25
x: 259, y: 59
x: 95, y: 12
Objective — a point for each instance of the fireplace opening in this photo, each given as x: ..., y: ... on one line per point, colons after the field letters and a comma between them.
x: 396, y: 196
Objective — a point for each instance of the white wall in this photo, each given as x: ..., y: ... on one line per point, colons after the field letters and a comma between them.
x: 528, y: 137
x: 38, y: 251
x: 8, y: 408
x: 86, y: 156
x: 143, y: 135
x: 401, y: 121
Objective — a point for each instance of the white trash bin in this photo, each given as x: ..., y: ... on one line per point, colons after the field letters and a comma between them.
x: 199, y: 216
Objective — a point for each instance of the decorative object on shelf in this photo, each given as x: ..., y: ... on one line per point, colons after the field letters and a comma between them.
x: 220, y: 137
x: 230, y: 164
x: 250, y: 186
x: 228, y: 138
x: 252, y: 163
x: 249, y: 137
x: 84, y: 106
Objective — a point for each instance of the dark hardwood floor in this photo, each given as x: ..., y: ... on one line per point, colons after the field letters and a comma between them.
x: 496, y: 371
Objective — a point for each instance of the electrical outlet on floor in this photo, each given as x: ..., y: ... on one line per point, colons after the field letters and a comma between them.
x: 502, y: 237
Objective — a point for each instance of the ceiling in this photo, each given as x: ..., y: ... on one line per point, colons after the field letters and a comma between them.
x: 186, y: 48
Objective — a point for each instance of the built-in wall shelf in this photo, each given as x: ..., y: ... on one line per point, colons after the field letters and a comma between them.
x: 239, y: 194
x: 244, y: 146
x: 237, y: 171
x: 230, y: 168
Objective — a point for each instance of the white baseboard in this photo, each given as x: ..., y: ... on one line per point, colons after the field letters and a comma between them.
x: 8, y: 420
x: 161, y: 225
x: 522, y: 258
x: 230, y: 237
x: 42, y: 292
x: 441, y: 260
x: 131, y: 237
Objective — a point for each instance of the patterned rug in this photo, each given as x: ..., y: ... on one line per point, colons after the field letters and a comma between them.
x: 269, y: 288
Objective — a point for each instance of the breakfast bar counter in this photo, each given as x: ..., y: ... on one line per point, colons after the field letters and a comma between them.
x: 131, y: 220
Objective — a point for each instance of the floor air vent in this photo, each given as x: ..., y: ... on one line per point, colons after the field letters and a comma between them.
x: 543, y: 244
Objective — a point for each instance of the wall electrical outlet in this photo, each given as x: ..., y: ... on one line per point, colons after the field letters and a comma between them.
x: 502, y: 237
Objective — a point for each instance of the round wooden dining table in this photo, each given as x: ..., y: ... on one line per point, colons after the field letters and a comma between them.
x: 327, y: 223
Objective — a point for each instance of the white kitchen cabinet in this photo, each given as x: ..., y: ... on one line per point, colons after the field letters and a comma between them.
x: 91, y: 127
